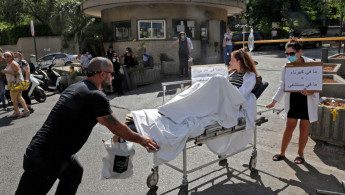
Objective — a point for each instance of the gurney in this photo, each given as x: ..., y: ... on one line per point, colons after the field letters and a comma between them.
x: 211, y: 132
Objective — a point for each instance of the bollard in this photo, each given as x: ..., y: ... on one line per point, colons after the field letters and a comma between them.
x: 324, y: 55
x: 71, y: 69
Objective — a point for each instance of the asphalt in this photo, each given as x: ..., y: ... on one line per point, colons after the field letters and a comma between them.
x: 324, y: 167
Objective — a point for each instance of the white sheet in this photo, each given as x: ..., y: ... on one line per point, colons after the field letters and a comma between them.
x: 187, y: 115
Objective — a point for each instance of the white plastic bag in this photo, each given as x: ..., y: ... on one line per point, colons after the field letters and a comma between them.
x: 117, y: 163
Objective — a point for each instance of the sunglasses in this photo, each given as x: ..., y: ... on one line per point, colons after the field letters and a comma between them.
x: 89, y: 74
x: 290, y: 53
x: 6, y: 56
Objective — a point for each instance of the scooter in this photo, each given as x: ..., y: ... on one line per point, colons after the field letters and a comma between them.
x: 53, y: 78
x: 36, y: 91
x: 41, y: 77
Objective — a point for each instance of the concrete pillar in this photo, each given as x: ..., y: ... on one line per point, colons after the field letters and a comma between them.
x: 324, y: 55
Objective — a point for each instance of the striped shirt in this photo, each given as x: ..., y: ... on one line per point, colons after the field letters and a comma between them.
x: 236, y: 79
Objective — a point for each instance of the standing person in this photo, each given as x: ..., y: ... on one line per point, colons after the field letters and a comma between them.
x: 274, y: 33
x: 109, y: 54
x: 227, y: 47
x: 24, y: 66
x: 51, y: 152
x: 13, y: 74
x: 117, y: 82
x: 300, y: 106
x: 84, y: 60
x: 184, y: 53
x: 2, y: 81
x: 129, y: 58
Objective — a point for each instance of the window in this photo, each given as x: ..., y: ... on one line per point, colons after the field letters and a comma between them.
x: 59, y: 56
x: 45, y: 58
x: 187, y: 26
x: 151, y: 29
x: 122, y: 30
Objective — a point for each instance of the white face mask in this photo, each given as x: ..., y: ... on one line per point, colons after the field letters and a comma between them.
x: 16, y: 59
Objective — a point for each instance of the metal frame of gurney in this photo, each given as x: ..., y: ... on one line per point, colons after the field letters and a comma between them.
x: 211, y: 132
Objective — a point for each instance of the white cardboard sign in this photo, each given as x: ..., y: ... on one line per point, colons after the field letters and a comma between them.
x: 204, y: 72
x: 298, y: 78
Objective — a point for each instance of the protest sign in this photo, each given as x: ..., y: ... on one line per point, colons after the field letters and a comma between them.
x: 204, y: 72
x: 303, y: 76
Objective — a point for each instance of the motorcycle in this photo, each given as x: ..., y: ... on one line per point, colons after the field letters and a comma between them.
x: 36, y: 91
x: 51, y: 79
x: 41, y: 77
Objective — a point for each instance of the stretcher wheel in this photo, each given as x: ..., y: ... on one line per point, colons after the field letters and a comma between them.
x: 152, y: 179
x: 183, y: 190
x: 252, y: 162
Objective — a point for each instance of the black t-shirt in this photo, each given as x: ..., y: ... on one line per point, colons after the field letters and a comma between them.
x: 70, y: 122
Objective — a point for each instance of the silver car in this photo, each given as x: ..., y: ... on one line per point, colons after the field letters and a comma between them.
x: 61, y: 59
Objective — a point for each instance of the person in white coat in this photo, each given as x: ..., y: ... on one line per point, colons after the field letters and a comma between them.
x: 242, y: 74
x: 297, y: 106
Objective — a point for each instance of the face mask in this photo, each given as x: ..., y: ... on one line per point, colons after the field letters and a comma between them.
x: 114, y: 60
x: 292, y: 58
x: 126, y: 51
x: 182, y: 37
x: 16, y: 59
x: 0, y: 53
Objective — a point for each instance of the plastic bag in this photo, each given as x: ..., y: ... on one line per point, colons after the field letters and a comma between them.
x: 117, y: 163
x: 190, y: 62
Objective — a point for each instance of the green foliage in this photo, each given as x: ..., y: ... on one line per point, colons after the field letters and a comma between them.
x: 10, y: 35
x: 74, y: 74
x: 137, y: 68
x: 288, y: 13
x: 164, y: 57
x: 334, y: 9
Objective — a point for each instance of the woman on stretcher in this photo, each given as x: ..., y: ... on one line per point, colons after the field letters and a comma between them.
x: 216, y: 101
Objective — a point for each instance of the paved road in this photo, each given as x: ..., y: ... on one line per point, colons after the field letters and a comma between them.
x: 324, y: 168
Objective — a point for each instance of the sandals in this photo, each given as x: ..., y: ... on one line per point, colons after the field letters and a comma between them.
x: 278, y: 157
x: 14, y: 116
x: 25, y: 114
x: 299, y: 160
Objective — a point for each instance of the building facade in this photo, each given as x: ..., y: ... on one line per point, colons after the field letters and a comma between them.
x: 159, y: 22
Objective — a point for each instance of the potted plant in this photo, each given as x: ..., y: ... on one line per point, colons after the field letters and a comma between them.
x: 138, y: 74
x: 75, y: 76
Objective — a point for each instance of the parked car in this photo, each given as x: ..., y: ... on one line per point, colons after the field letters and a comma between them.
x: 305, y: 33
x: 239, y: 37
x: 61, y: 59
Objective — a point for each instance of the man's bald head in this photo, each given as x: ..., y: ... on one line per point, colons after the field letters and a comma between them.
x: 99, y: 64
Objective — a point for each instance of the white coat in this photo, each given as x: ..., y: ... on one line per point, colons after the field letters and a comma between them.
x: 313, y: 100
x: 249, y: 80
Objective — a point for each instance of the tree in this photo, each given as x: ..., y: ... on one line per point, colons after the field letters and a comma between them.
x: 289, y: 13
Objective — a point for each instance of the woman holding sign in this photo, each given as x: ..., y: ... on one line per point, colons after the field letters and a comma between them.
x: 297, y: 106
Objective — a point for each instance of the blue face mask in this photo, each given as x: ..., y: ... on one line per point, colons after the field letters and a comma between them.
x: 182, y: 37
x: 292, y: 58
x: 114, y: 60
x: 16, y: 59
